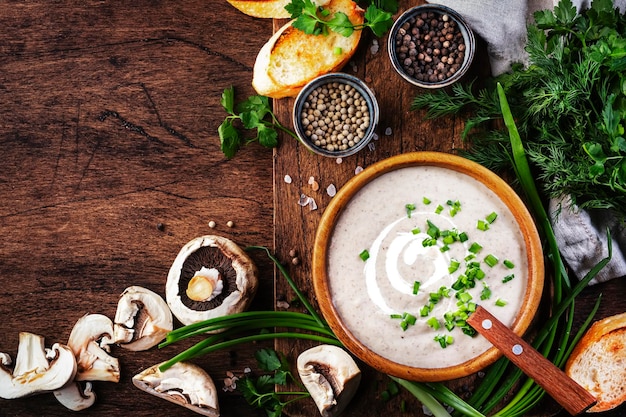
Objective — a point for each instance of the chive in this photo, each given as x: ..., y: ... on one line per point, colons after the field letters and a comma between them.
x: 426, y: 200
x: 409, y: 318
x: 464, y: 297
x: 475, y: 248
x: 491, y: 260
x: 454, y: 266
x: 416, y: 287
x: 508, y: 264
x: 482, y: 225
x: 444, y: 248
x: 425, y: 311
x: 416, y: 231
x: 409, y: 209
x: 396, y: 316
x: 485, y: 294
x: 463, y: 237
x: 500, y: 302
x: 364, y: 255
x: 338, y: 50
x: 433, y: 323
x: 433, y: 231
x: 508, y: 278
x: 439, y: 209
x: 491, y: 217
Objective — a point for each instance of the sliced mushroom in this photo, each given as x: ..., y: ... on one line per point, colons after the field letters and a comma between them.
x: 90, y: 340
x: 73, y: 397
x: 142, y: 319
x: 331, y: 376
x: 210, y: 277
x: 37, y: 369
x: 184, y: 383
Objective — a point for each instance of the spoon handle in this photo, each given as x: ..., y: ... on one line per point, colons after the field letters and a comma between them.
x: 567, y: 392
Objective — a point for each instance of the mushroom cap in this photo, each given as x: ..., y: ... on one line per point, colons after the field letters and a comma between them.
x: 73, y: 397
x: 239, y: 275
x: 142, y: 319
x: 184, y: 383
x: 331, y: 376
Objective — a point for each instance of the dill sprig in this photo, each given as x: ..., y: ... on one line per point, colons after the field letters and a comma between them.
x: 569, y: 103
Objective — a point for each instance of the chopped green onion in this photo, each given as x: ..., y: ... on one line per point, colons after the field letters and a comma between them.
x: 482, y: 225
x: 416, y: 287
x: 409, y: 209
x: 508, y: 264
x: 416, y: 231
x: 485, y: 294
x: 508, y: 278
x: 439, y: 209
x: 425, y: 311
x: 475, y: 248
x: 434, y: 323
x: 444, y: 340
x: 364, y: 255
x: 338, y: 50
x: 500, y: 302
x: 463, y: 237
x: 426, y: 200
x: 491, y: 260
x: 433, y: 231
x: 454, y: 266
x: 491, y: 217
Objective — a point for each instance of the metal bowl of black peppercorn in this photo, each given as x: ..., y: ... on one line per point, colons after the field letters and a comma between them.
x: 431, y: 46
x: 335, y: 115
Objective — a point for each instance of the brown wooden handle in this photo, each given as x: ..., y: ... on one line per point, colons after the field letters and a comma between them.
x: 567, y: 392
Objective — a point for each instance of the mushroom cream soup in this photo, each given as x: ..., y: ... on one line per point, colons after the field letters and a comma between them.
x: 413, y: 253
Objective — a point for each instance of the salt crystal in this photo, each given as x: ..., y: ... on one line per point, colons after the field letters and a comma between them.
x: 358, y: 169
x: 282, y: 304
x: 374, y: 48
x: 388, y: 131
x: 331, y: 190
x: 426, y: 411
x: 375, y: 136
x: 312, y: 204
x: 371, y: 146
x: 304, y: 200
x: 339, y: 160
x: 288, y: 179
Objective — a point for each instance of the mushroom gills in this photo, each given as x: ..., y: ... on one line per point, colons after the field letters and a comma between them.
x: 184, y: 383
x: 210, y: 277
x: 331, y: 376
x: 90, y: 341
x: 142, y: 319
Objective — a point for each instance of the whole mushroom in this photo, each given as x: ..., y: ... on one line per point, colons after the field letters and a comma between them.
x: 331, y: 376
x: 210, y: 277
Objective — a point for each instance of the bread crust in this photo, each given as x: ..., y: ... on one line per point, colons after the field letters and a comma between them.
x: 272, y: 9
x: 601, y: 354
x: 291, y: 58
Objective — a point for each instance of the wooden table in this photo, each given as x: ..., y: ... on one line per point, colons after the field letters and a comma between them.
x: 111, y: 163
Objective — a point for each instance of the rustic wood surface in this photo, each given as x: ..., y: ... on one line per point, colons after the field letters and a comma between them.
x: 111, y: 163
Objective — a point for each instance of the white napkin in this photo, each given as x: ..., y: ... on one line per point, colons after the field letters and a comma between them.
x: 581, y: 235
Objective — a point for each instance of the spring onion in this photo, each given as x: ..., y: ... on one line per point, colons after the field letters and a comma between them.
x: 364, y: 255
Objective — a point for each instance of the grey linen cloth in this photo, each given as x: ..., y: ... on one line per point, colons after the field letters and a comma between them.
x: 581, y: 235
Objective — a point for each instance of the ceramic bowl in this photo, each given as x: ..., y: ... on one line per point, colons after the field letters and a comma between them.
x: 429, y: 49
x: 370, y: 250
x: 355, y: 83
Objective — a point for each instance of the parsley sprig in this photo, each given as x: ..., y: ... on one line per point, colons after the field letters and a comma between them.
x: 318, y: 20
x: 260, y: 392
x: 254, y: 113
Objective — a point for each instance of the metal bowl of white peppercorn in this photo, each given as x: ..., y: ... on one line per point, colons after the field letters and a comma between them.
x: 335, y: 115
x: 431, y: 46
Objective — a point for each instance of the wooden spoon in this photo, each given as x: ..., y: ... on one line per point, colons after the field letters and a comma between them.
x: 567, y: 392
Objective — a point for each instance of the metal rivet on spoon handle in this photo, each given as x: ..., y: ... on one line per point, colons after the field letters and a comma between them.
x: 567, y: 392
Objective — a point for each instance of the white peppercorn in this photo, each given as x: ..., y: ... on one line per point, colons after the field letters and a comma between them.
x: 335, y: 116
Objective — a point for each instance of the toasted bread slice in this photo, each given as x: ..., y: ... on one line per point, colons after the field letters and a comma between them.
x: 598, y: 362
x: 291, y: 58
x: 273, y: 9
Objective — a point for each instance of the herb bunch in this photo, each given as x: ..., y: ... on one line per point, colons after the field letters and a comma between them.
x: 569, y: 103
x: 252, y: 114
x: 318, y: 20
x: 260, y: 392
